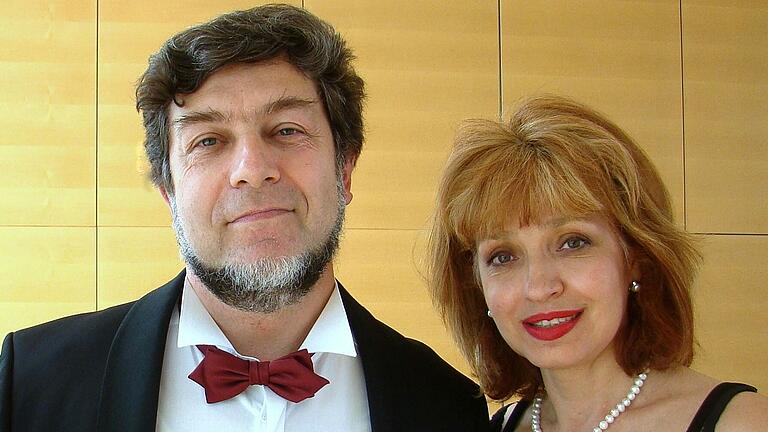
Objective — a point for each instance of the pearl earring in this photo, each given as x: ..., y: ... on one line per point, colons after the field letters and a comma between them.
x: 634, y: 286
x: 490, y: 315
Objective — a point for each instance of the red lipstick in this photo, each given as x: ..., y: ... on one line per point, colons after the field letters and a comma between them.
x: 551, y: 325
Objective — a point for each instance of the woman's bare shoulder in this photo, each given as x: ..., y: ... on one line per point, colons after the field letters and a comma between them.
x: 747, y: 411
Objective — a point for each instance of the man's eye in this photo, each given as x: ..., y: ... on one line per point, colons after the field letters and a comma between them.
x: 574, y: 243
x: 287, y: 131
x: 207, y: 142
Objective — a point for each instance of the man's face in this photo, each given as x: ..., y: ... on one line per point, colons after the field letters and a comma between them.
x: 254, y: 169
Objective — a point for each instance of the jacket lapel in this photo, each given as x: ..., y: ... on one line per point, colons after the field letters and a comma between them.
x: 130, y: 391
x: 375, y: 343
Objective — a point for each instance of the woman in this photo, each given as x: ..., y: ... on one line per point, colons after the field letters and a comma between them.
x: 556, y: 263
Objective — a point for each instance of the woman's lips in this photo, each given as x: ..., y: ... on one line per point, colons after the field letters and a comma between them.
x: 551, y: 325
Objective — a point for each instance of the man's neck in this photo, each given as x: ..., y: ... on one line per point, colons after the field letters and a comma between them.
x: 272, y: 335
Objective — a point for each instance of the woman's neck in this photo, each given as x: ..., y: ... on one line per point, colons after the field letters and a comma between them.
x: 579, y: 398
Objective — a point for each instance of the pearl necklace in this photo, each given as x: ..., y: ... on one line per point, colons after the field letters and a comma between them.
x: 609, y: 419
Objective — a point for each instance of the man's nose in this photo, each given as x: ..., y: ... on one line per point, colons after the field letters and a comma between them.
x: 544, y: 281
x: 254, y: 162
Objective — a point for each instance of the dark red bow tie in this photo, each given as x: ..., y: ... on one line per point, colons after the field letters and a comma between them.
x: 225, y: 376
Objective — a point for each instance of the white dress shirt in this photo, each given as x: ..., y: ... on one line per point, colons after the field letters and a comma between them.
x: 341, y: 405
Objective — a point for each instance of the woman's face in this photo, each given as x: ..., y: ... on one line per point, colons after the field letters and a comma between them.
x: 558, y: 289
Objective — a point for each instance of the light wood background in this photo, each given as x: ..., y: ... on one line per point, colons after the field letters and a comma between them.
x: 81, y: 229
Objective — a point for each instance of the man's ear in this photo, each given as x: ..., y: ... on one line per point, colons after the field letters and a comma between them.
x: 349, y: 165
x: 164, y: 194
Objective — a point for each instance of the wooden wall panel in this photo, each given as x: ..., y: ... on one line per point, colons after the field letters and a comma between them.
x: 48, y: 272
x: 382, y: 269
x: 47, y: 124
x: 427, y: 65
x: 726, y: 115
x: 620, y: 57
x: 732, y: 309
x: 128, y: 33
x: 134, y: 261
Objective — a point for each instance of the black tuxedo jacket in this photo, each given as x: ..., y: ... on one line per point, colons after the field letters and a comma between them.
x: 100, y: 372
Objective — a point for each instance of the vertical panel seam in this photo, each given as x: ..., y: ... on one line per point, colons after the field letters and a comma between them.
x: 96, y: 170
x: 501, y: 75
x: 682, y: 116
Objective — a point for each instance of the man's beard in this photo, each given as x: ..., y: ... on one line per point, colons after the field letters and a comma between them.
x: 266, y: 284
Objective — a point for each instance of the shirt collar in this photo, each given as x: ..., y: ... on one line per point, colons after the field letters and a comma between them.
x: 329, y: 334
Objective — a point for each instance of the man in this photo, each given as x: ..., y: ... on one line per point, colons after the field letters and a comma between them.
x: 253, y: 126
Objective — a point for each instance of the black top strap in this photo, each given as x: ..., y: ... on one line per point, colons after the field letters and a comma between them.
x: 713, y: 406
x: 497, y: 421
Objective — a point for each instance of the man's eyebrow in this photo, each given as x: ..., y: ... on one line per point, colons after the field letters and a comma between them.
x: 284, y: 103
x: 214, y: 116
x: 193, y: 117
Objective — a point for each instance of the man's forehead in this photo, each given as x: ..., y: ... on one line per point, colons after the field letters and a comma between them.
x: 260, y: 82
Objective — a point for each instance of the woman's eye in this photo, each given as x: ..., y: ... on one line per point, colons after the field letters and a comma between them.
x: 574, y: 243
x: 500, y: 259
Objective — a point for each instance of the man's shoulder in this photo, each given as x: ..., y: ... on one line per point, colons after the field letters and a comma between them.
x: 60, y: 366
x: 90, y: 331
x: 401, y: 353
x: 82, y: 329
x: 46, y: 368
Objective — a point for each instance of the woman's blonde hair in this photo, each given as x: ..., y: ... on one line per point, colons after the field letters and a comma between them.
x: 556, y: 156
